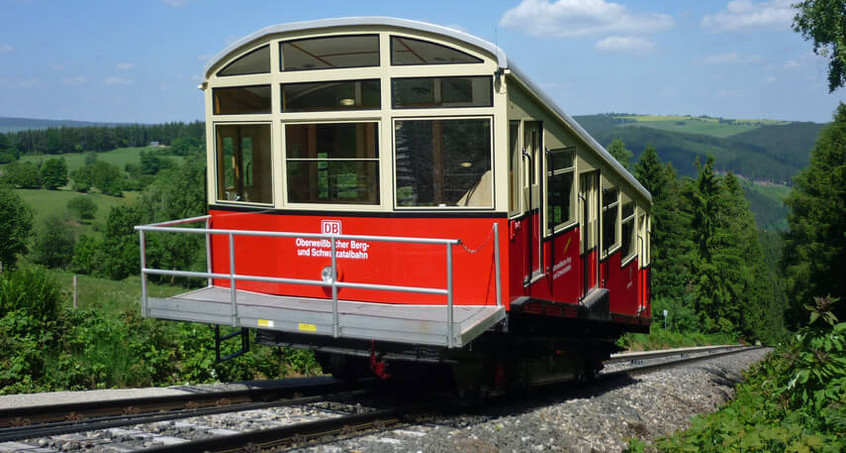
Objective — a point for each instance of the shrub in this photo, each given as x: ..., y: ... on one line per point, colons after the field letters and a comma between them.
x: 83, y: 206
x: 15, y: 227
x: 54, y: 242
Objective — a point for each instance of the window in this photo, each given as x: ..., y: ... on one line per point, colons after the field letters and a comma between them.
x: 332, y: 163
x: 406, y: 51
x: 443, y: 163
x: 242, y: 100
x: 514, y: 167
x: 243, y: 163
x: 255, y: 62
x: 343, y: 95
x: 559, y: 186
x: 629, y: 232
x: 610, y: 202
x: 330, y: 52
x: 441, y: 92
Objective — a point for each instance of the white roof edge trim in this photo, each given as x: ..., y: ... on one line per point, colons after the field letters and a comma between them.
x: 535, y: 91
x: 459, y: 35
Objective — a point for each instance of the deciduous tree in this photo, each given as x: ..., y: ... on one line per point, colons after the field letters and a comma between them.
x: 824, y: 23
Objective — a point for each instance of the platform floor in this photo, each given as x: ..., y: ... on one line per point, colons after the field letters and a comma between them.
x: 414, y: 324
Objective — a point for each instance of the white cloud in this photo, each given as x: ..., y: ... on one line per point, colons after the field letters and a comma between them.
x: 742, y: 15
x: 791, y: 64
x: 626, y: 44
x: 575, y: 18
x: 730, y: 58
x: 770, y: 79
x: 6, y: 48
x: 58, y: 67
x: 28, y: 83
x: 74, y: 81
x: 117, y: 81
x: 730, y: 94
x: 124, y: 66
x: 176, y: 3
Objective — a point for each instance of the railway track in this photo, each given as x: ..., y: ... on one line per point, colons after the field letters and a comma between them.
x: 299, y: 433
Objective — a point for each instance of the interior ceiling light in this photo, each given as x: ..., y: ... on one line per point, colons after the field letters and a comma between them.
x: 347, y: 102
x: 466, y: 164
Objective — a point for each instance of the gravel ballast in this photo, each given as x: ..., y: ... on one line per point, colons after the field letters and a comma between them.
x: 600, y: 419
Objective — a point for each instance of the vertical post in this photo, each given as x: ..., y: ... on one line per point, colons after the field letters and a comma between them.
x: 145, y: 308
x: 232, y: 296
x: 497, y: 265
x: 1, y: 267
x: 450, y: 328
x: 75, y: 293
x: 208, y: 251
x: 336, y: 325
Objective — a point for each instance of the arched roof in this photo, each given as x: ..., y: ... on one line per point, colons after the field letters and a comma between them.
x: 493, y: 49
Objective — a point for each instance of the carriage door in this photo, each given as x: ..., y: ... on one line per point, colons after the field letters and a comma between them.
x: 589, y: 230
x: 532, y: 163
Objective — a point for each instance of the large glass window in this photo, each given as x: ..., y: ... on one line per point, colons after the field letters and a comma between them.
x: 441, y: 92
x: 406, y: 51
x: 242, y: 100
x: 342, y: 95
x: 332, y: 163
x: 610, y: 203
x: 628, y: 230
x: 330, y: 52
x: 559, y: 186
x: 243, y: 163
x: 443, y: 163
x: 255, y: 62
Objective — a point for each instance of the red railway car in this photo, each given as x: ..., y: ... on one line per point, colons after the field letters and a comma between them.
x: 387, y: 191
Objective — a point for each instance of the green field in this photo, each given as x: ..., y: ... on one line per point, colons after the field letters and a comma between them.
x: 45, y: 202
x: 119, y: 157
x: 714, y: 127
x: 767, y: 203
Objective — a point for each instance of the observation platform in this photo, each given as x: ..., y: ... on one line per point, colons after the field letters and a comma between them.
x: 400, y: 323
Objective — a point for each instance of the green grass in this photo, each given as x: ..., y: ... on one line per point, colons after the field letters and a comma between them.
x: 119, y: 157
x: 697, y: 125
x: 45, y: 202
x: 659, y: 338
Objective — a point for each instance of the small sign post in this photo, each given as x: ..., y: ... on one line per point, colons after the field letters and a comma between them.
x: 666, y: 312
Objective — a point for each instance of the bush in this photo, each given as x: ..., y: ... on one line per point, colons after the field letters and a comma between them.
x: 32, y: 291
x: 22, y: 174
x: 83, y: 207
x: 15, y: 227
x: 54, y: 242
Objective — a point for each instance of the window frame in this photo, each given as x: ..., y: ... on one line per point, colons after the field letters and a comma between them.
x: 390, y: 58
x: 217, y: 89
x: 380, y: 147
x: 234, y: 60
x: 340, y: 109
x: 216, y: 181
x: 438, y: 81
x: 609, y: 249
x: 550, y: 173
x: 633, y: 253
x: 491, y: 154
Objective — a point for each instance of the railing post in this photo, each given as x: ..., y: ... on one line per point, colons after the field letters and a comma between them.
x: 336, y: 324
x: 497, y: 264
x: 450, y: 327
x: 233, y: 297
x: 145, y: 308
x: 208, y: 251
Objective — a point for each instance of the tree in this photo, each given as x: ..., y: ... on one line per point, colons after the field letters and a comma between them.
x: 83, y: 206
x: 815, y: 247
x: 54, y: 242
x: 824, y: 23
x: 54, y: 173
x: 15, y: 227
x: 120, y: 242
x: 22, y: 174
x: 618, y: 149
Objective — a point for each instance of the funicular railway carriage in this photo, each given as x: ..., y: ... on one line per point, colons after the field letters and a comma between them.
x: 387, y: 191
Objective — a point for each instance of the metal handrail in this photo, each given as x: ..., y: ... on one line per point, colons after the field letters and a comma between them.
x: 233, y: 276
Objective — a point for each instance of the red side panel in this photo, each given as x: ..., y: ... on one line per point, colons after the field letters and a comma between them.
x: 383, y: 263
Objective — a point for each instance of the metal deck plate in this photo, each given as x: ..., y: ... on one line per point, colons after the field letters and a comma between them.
x: 417, y: 324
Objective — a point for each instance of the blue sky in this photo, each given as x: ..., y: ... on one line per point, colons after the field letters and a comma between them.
x: 141, y: 60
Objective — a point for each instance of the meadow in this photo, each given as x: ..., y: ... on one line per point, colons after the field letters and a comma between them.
x: 119, y: 157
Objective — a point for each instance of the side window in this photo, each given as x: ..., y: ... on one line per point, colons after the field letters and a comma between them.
x: 559, y: 186
x: 332, y: 163
x: 425, y: 92
x: 628, y: 230
x: 408, y: 51
x: 244, y: 171
x: 325, y: 96
x: 443, y: 163
x: 515, y: 189
x: 255, y: 62
x: 610, y: 205
x: 242, y: 100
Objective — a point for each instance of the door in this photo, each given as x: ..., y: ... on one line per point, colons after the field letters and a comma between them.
x: 589, y: 230
x: 532, y: 163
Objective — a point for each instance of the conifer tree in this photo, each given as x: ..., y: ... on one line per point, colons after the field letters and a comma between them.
x: 815, y: 247
x: 618, y: 149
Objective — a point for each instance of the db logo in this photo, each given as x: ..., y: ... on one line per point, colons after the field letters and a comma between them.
x: 330, y: 226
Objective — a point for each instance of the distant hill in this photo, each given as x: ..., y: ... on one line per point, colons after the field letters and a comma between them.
x: 8, y: 124
x: 761, y: 150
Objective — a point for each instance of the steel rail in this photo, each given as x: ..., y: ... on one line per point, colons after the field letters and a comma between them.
x: 673, y: 363
x: 646, y: 355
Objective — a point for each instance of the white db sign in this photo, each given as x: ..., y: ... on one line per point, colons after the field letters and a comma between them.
x: 330, y: 226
